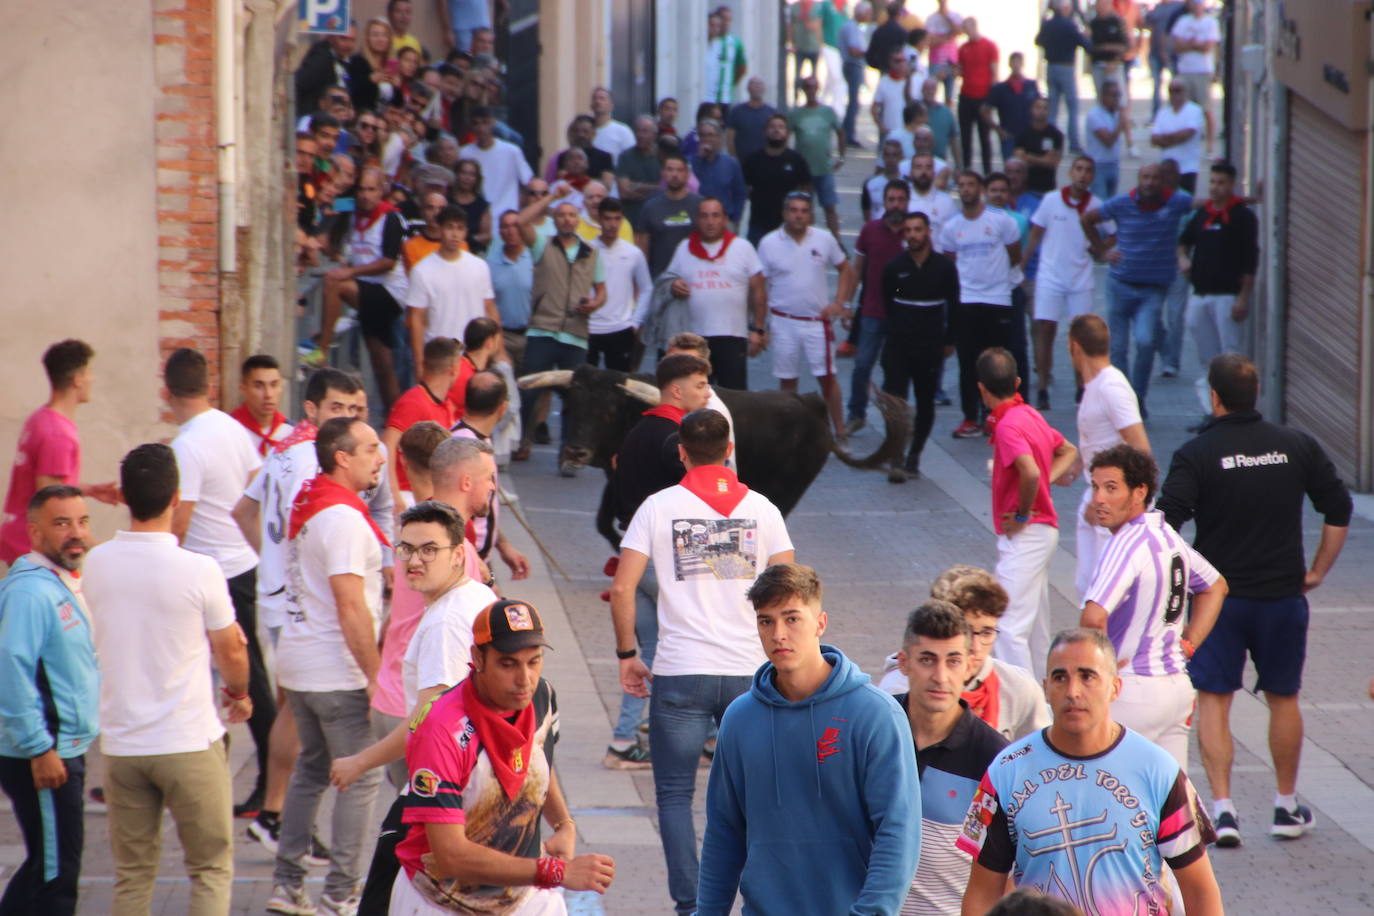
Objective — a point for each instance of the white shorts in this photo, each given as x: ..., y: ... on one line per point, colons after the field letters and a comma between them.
x: 1159, y: 708
x: 1053, y: 304
x: 793, y: 342
x: 407, y: 901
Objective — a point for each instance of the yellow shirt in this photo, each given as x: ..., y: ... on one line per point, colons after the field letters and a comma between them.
x: 587, y: 231
x: 406, y: 41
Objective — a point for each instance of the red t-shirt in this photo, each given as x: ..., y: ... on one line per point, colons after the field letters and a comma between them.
x: 977, y: 59
x: 458, y: 394
x: 48, y: 447
x: 1022, y: 431
x: 416, y: 406
x: 879, y: 245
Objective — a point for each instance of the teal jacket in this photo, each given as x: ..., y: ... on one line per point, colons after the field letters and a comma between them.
x: 49, y: 682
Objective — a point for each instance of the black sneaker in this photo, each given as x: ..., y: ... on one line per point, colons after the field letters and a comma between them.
x: 1228, y: 830
x: 541, y: 434
x: 318, y: 854
x: 634, y: 757
x: 250, y: 806
x: 1289, y: 825
x: 1042, y: 400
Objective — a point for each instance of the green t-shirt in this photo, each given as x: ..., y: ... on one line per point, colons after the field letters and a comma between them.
x: 832, y: 20
x: 802, y: 36
x: 814, y: 129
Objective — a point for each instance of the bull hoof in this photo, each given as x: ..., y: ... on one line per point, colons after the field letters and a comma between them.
x: 896, y: 475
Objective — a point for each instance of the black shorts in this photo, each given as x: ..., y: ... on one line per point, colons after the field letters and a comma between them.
x: 377, y: 311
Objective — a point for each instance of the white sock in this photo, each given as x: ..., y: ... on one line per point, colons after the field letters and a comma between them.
x: 1223, y: 806
x: 621, y: 745
x: 1286, y: 802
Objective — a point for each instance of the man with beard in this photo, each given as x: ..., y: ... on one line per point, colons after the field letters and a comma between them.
x: 880, y: 240
x: 925, y: 198
x: 668, y: 216
x: 771, y: 174
x: 47, y: 665
x: 891, y: 168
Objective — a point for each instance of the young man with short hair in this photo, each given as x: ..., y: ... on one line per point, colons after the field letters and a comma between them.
x: 696, y: 345
x: 450, y: 288
x: 260, y: 386
x: 49, y: 702
x: 707, y: 537
x: 504, y: 168
x: 1138, y: 597
x: 488, y: 397
x: 953, y: 746
x: 426, y: 401
x: 771, y: 174
x: 165, y: 614
x: 611, y: 329
x: 839, y: 770
x: 49, y: 449
x: 668, y: 216
x: 1086, y: 775
x: 1041, y: 146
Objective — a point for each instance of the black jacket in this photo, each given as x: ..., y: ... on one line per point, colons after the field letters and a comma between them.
x: 886, y: 38
x: 1243, y: 480
x: 910, y: 292
x: 319, y: 70
x: 1223, y: 250
x: 646, y: 463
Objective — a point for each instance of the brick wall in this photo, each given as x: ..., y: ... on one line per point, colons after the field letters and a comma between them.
x: 187, y: 198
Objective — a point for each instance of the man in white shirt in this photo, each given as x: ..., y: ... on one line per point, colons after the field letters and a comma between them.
x: 708, y: 537
x: 892, y: 94
x: 504, y: 169
x: 611, y: 328
x: 448, y: 291
x: 926, y: 196
x: 612, y: 136
x: 720, y: 276
x: 985, y: 245
x: 796, y: 259
x: 216, y: 460
x: 1177, y: 131
x: 1064, y: 281
x: 164, y: 615
x: 1194, y: 39
x: 327, y: 659
x: 1108, y: 415
x: 893, y: 168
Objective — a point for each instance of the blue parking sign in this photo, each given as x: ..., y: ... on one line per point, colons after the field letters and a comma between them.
x: 324, y: 17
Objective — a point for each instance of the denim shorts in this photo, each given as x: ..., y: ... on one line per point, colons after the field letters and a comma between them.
x: 1273, y: 632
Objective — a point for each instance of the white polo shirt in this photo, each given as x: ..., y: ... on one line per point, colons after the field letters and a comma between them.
x: 985, y: 271
x: 628, y: 287
x: 215, y: 458
x: 152, y: 604
x: 1187, y: 154
x: 1066, y: 264
x: 719, y: 300
x: 311, y: 653
x: 452, y: 293
x: 441, y: 646
x: 797, y: 271
x: 1196, y: 28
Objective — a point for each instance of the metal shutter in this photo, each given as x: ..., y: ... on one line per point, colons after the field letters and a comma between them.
x: 1325, y: 270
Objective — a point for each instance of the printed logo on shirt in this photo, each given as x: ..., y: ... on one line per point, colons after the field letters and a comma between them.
x: 680, y: 218
x: 1231, y: 462
x: 424, y: 783
x: 828, y: 744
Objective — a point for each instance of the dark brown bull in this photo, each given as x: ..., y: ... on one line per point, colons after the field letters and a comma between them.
x: 782, y: 440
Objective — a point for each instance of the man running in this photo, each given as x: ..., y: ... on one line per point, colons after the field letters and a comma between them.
x: 796, y: 259
x: 1087, y: 810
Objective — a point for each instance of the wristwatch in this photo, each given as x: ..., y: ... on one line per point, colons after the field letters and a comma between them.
x: 1021, y: 519
x: 755, y: 329
x: 628, y: 653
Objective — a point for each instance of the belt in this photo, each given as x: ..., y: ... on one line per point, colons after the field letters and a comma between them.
x: 782, y: 314
x: 919, y: 303
x: 515, y: 330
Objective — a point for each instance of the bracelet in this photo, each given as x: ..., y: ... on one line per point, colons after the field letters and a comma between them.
x: 548, y: 872
x: 559, y: 826
x: 236, y: 697
x: 627, y: 653
x: 754, y: 329
x: 1188, y: 647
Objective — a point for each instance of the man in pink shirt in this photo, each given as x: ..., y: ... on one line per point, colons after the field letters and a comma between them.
x: 1027, y: 454
x: 49, y: 450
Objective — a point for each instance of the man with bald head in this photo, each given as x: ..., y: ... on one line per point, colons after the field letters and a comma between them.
x: 590, y: 226
x: 745, y: 123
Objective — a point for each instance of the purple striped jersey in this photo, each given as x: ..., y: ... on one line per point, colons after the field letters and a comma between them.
x: 1143, y: 580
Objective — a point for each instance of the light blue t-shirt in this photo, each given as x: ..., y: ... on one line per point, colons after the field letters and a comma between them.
x: 1101, y: 119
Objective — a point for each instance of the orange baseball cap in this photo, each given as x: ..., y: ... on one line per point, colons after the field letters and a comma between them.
x: 509, y: 626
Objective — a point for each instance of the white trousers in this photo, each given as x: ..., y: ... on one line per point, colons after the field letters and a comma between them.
x: 407, y: 901
x: 1092, y: 540
x: 1160, y: 708
x: 1209, y: 318
x: 1023, y: 569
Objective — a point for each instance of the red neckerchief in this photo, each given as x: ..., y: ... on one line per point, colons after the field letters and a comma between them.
x: 985, y: 700
x: 362, y: 222
x: 580, y: 182
x: 1000, y: 411
x: 1068, y: 199
x: 1016, y: 83
x: 320, y: 493
x: 304, y: 431
x: 508, y: 745
x: 697, y: 249
x: 895, y: 77
x: 667, y: 412
x: 716, y: 486
x: 265, y: 442
x: 1164, y: 195
x: 1220, y: 214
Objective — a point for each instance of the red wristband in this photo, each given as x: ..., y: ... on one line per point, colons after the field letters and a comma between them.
x: 236, y: 697
x: 548, y: 872
x: 1188, y: 648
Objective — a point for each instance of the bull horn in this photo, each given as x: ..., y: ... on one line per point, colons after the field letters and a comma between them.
x: 553, y: 378
x: 642, y: 391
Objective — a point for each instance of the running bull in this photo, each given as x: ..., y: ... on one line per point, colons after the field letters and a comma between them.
x: 782, y: 439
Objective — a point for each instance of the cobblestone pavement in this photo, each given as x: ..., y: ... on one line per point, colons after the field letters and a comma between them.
x: 877, y: 546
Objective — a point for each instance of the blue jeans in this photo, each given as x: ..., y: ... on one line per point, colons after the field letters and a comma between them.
x: 1157, y: 65
x: 646, y: 635
x: 1063, y: 83
x: 854, y: 73
x: 1105, y: 178
x: 1133, y: 309
x: 542, y: 354
x: 1172, y: 323
x: 682, y: 709
x: 872, y: 335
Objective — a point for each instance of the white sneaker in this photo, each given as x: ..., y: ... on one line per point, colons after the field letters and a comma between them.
x: 290, y: 901
x: 347, y: 907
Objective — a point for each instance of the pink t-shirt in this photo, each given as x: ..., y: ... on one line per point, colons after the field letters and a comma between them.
x: 1022, y: 431
x: 407, y: 607
x: 48, y: 447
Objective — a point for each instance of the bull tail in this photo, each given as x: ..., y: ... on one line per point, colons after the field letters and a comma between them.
x: 896, y: 434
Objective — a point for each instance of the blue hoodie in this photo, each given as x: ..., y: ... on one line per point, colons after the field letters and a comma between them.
x: 49, y: 682
x: 812, y: 807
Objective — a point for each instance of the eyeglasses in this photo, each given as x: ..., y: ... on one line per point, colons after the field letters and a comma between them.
x: 427, y: 552
x: 987, y: 635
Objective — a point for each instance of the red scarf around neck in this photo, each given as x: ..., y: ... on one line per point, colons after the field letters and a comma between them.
x: 1082, y: 205
x: 265, y: 441
x: 716, y: 486
x: 698, y: 249
x: 1152, y: 205
x: 304, y: 431
x: 1000, y: 411
x: 985, y: 700
x: 508, y: 745
x: 320, y: 493
x: 667, y: 412
x: 364, y: 221
x: 1220, y: 214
